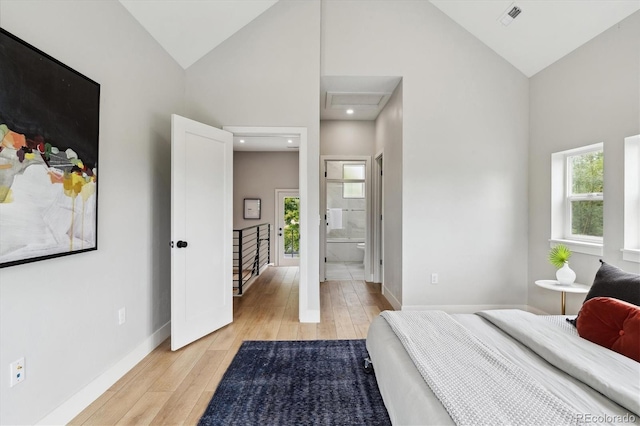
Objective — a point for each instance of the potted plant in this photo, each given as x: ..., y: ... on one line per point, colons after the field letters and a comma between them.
x: 559, y: 257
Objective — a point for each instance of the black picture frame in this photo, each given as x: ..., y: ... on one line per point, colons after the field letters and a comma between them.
x: 49, y: 140
x: 251, y: 208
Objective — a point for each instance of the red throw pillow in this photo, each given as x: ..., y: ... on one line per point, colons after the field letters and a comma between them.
x: 613, y: 324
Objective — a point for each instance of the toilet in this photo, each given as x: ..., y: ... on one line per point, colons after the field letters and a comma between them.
x: 360, y: 246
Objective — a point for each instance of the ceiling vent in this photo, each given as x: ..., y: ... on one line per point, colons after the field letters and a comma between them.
x: 509, y: 15
x: 358, y: 101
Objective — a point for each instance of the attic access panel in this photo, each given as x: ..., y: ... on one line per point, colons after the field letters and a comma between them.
x: 362, y: 101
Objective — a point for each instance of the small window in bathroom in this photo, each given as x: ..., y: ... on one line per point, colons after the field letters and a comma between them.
x: 353, y: 171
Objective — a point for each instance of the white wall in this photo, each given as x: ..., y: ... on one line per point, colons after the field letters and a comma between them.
x: 592, y: 95
x: 389, y: 142
x: 61, y: 314
x: 267, y: 74
x: 347, y: 137
x: 258, y: 175
x: 464, y: 152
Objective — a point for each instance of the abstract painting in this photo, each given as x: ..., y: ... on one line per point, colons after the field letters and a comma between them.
x: 49, y: 122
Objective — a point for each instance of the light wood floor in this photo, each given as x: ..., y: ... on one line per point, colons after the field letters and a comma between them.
x: 174, y: 388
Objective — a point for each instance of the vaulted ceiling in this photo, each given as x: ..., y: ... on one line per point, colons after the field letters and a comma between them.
x: 543, y: 32
x: 189, y: 29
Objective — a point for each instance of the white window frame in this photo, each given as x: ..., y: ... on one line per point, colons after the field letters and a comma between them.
x: 570, y: 198
x: 631, y: 250
x: 561, y: 230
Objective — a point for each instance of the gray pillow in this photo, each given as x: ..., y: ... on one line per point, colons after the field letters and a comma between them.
x: 614, y: 282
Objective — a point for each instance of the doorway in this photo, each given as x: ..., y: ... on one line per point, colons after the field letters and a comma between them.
x: 309, y: 287
x: 346, y: 198
x: 287, y: 230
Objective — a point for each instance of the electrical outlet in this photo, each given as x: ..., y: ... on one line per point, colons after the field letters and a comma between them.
x: 17, y: 371
x: 434, y: 278
x: 122, y: 316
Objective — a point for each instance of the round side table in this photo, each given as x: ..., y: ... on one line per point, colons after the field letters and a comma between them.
x: 563, y: 289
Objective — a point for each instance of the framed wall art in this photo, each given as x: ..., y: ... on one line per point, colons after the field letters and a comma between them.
x: 251, y: 208
x: 49, y: 122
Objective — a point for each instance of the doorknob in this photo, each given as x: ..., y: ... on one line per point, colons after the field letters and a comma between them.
x: 182, y: 244
x: 280, y: 232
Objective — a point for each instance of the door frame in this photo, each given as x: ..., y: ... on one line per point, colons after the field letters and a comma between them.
x: 378, y: 219
x: 368, y: 252
x: 308, y: 154
x: 278, y: 211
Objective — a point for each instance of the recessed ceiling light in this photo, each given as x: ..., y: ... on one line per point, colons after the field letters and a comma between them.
x: 349, y: 111
x: 289, y: 141
x: 241, y: 140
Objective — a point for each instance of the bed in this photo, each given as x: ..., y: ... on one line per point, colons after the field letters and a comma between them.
x: 586, y: 383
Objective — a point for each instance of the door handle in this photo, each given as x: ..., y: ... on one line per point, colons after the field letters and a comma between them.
x: 280, y: 232
x: 182, y: 244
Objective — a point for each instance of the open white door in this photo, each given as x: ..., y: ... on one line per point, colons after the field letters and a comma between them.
x: 201, y: 230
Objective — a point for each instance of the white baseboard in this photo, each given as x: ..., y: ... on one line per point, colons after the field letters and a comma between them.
x: 81, y: 400
x: 470, y: 309
x: 391, y: 298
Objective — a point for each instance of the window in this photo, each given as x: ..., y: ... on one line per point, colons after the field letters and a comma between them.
x: 631, y: 250
x: 578, y: 198
x: 353, y: 180
x: 353, y: 171
x: 584, y: 195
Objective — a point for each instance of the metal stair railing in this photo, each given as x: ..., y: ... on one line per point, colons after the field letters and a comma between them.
x: 251, y: 251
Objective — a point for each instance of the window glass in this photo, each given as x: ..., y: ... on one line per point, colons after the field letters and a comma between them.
x: 353, y: 171
x: 585, y: 196
x: 586, y: 218
x: 353, y: 190
x: 587, y: 173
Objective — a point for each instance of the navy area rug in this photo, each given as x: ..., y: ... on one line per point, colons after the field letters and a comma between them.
x: 315, y: 382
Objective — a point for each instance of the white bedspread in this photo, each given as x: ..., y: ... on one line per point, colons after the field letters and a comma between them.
x: 475, y: 384
x: 606, y: 371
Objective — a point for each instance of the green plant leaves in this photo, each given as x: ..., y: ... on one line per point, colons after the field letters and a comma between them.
x: 559, y: 255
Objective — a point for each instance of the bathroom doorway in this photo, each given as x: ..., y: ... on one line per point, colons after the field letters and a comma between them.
x: 346, y: 198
